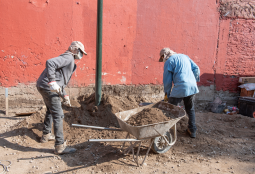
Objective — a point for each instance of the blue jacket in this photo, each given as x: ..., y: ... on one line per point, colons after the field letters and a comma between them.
x: 180, y: 70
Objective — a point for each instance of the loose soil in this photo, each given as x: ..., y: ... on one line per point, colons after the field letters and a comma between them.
x: 224, y: 143
x: 147, y: 116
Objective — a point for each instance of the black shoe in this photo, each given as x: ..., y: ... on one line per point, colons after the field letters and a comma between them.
x: 191, y: 134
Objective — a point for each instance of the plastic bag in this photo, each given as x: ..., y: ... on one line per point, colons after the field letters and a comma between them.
x: 248, y: 86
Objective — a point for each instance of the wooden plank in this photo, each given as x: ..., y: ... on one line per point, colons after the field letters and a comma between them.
x: 245, y: 93
x: 25, y: 114
x: 246, y: 79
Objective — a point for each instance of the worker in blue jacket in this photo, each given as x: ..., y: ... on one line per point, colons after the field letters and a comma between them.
x: 180, y: 79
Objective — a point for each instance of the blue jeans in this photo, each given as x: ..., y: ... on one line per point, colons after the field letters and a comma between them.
x: 54, y: 114
x: 189, y: 107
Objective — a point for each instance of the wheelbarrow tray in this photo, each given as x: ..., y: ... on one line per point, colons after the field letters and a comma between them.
x: 150, y: 130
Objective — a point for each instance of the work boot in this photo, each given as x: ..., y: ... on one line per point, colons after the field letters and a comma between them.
x: 191, y: 134
x: 47, y: 137
x: 63, y: 149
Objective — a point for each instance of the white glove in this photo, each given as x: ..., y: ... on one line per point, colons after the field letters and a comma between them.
x: 54, y: 87
x: 67, y: 100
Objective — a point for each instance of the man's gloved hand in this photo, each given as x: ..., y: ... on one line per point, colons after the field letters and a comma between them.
x: 67, y: 101
x: 54, y: 87
x: 166, y: 98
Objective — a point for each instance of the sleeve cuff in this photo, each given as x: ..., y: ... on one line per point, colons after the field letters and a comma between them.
x: 51, y: 82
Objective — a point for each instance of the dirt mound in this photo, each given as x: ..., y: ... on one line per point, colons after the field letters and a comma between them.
x: 29, y: 130
x: 102, y: 116
x: 220, y: 137
x: 147, y: 116
x: 83, y: 111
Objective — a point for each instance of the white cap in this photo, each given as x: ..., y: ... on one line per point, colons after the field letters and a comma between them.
x: 77, y: 44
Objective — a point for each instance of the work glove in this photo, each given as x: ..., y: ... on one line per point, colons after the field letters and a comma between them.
x: 54, y: 87
x: 166, y: 98
x: 67, y: 101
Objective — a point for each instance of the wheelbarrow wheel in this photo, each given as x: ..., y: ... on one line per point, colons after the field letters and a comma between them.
x: 160, y: 145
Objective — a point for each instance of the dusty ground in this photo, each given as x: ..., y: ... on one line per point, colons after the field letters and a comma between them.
x: 224, y: 143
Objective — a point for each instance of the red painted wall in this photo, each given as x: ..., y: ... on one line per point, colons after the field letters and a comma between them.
x: 236, y: 53
x: 134, y: 32
x: 186, y: 26
x: 33, y: 31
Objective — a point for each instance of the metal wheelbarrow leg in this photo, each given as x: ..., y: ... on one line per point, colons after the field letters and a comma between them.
x: 128, y: 149
x: 131, y: 147
x: 138, y: 151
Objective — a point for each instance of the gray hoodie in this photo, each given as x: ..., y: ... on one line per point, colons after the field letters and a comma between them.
x: 59, y: 69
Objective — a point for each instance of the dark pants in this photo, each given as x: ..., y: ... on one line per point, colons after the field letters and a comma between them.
x: 189, y: 107
x: 54, y: 114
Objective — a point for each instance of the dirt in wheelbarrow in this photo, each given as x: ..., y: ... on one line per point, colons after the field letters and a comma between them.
x: 148, y: 116
x: 224, y: 143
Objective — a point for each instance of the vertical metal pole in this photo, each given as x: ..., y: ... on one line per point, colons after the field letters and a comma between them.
x: 99, y: 52
x: 6, y: 101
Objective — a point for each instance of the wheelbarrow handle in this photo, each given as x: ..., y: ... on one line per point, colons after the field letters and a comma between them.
x: 113, y: 140
x: 96, y: 127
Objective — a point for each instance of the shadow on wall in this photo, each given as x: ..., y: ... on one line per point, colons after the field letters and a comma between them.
x: 222, y: 82
x: 218, y: 85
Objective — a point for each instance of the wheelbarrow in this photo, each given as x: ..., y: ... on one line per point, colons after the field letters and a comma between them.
x: 159, y: 134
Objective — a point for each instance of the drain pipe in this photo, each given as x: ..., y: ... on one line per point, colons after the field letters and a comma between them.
x: 98, y: 90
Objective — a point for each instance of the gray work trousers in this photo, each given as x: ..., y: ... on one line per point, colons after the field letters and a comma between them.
x: 54, y: 114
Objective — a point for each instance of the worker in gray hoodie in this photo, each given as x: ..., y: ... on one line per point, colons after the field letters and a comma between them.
x: 50, y: 85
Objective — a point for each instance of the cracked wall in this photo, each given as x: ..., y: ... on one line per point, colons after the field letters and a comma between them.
x: 236, y: 44
x: 237, y: 9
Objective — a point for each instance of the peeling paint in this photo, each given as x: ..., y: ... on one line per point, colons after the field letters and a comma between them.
x: 237, y: 9
x: 123, y: 80
x: 39, y: 3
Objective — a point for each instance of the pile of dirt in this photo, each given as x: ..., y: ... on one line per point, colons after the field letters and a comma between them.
x: 148, y: 116
x: 83, y: 111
